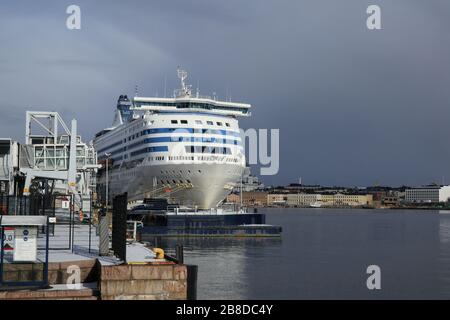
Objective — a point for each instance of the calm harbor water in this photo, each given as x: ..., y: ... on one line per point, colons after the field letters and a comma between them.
x: 324, y: 253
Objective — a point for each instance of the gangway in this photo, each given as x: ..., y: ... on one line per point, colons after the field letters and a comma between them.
x: 164, y: 191
x: 53, y: 152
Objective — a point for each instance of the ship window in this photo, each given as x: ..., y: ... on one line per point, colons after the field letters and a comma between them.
x: 210, y: 123
x: 198, y: 121
x: 174, y: 121
x: 227, y: 124
x: 183, y: 121
x: 219, y: 123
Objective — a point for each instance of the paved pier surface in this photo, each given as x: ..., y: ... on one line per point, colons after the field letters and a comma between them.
x: 62, y: 250
x: 102, y: 277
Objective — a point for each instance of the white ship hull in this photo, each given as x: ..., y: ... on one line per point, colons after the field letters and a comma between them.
x: 208, y: 185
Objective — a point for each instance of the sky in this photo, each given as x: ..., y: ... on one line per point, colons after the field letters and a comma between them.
x: 354, y: 107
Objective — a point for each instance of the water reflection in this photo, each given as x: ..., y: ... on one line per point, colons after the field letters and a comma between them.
x: 222, y: 262
x: 444, y: 236
x: 444, y: 228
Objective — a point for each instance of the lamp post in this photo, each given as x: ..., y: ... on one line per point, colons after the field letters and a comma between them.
x: 107, y: 178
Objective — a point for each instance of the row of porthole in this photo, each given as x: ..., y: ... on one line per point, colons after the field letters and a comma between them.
x: 173, y: 121
x: 208, y: 122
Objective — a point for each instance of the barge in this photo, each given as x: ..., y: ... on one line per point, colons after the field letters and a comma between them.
x: 160, y: 219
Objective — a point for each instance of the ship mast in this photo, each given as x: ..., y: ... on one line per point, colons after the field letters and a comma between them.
x: 185, y: 89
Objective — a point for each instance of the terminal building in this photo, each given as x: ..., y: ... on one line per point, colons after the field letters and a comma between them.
x: 427, y: 194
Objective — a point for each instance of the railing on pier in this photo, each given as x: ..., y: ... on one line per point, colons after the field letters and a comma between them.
x: 70, y: 228
x: 34, y: 205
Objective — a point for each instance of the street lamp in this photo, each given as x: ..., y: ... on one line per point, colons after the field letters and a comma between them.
x: 107, y: 178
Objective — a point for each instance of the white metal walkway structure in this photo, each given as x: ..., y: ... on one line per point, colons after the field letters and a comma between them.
x: 54, y: 152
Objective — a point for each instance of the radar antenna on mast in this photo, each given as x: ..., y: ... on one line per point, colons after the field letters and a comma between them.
x: 182, y: 75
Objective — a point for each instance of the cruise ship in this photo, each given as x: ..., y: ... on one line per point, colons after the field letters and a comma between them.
x: 187, y: 148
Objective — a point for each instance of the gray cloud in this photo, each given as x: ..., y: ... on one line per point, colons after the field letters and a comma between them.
x: 353, y: 106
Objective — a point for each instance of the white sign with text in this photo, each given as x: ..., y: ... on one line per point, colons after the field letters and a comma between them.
x: 25, y: 244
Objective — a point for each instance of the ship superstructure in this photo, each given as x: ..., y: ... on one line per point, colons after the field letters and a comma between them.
x: 187, y: 148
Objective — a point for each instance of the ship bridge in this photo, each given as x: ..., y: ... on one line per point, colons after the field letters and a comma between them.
x: 184, y: 101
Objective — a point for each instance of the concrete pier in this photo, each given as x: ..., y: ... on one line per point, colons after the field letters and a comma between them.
x: 166, y: 281
x: 158, y: 281
x: 100, y: 277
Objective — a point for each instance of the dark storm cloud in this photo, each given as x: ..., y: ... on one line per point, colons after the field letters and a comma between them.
x: 353, y: 106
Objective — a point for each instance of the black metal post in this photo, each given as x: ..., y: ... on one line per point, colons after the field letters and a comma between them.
x: 7, y: 204
x: 192, y: 271
x: 54, y: 215
x: 47, y: 241
x: 179, y: 254
x: 72, y: 220
x: 70, y: 224
x: 43, y: 204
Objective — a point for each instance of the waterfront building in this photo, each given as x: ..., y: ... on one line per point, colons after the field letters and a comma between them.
x: 254, y: 198
x: 326, y: 199
x: 392, y: 201
x: 329, y: 200
x: 233, y: 198
x: 353, y: 200
x: 276, y: 199
x: 261, y: 198
x: 302, y: 199
x: 427, y: 194
x: 249, y: 199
